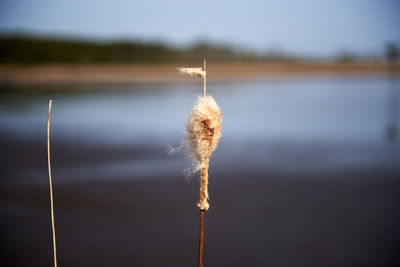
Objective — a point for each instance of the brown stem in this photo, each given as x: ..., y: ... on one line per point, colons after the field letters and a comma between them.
x: 201, y: 239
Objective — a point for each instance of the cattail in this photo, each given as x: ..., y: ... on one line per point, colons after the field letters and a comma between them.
x: 203, y: 131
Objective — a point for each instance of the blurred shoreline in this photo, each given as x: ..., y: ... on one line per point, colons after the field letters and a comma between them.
x: 126, y: 73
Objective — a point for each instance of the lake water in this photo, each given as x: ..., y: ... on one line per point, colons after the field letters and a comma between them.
x: 298, y: 125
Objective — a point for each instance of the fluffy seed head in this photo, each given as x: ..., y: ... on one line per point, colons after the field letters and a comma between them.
x: 203, y: 129
x: 193, y: 72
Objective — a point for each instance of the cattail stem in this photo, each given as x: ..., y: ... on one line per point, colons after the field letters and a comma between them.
x: 201, y: 239
x: 203, y: 204
x: 51, y: 186
x: 205, y: 79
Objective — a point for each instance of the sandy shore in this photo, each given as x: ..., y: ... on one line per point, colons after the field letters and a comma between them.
x: 166, y: 73
x: 257, y: 217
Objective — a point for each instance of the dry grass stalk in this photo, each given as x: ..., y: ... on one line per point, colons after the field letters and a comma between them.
x: 51, y: 186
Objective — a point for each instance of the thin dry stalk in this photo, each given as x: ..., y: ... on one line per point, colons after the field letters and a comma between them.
x: 204, y: 79
x: 51, y: 186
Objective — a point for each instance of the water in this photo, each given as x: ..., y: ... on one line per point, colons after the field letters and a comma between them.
x: 298, y: 125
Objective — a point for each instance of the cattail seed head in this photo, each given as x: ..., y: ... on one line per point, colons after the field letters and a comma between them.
x: 203, y: 129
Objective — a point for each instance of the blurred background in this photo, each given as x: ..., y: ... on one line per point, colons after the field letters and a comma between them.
x: 307, y: 172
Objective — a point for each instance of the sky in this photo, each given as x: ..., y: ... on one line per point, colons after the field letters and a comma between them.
x: 307, y: 27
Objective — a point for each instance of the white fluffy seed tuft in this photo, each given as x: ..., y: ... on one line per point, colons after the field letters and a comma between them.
x: 203, y: 130
x: 193, y: 72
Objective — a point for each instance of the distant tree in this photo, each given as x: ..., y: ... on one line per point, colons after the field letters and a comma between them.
x: 392, y: 52
x: 346, y: 56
